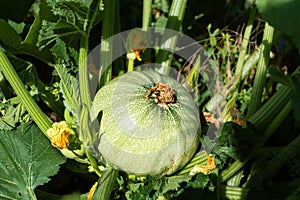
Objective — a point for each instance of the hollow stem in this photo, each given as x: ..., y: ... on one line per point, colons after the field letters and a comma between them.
x: 106, y: 184
x: 245, y: 42
x: 83, y: 73
x: 106, y: 53
x: 175, y: 18
x: 234, y: 167
x: 147, y: 11
x: 261, y: 71
x: 40, y: 118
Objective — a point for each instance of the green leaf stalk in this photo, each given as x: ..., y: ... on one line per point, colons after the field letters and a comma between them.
x: 31, y: 106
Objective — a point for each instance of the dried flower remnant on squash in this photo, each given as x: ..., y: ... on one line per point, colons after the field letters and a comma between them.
x: 59, y: 134
x: 206, y: 169
x: 164, y: 94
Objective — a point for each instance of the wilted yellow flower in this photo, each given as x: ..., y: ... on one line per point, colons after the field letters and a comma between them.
x: 135, y: 54
x: 206, y: 169
x: 136, y: 42
x: 59, y: 134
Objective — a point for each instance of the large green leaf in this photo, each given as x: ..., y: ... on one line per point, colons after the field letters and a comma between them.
x: 283, y: 15
x: 27, y: 160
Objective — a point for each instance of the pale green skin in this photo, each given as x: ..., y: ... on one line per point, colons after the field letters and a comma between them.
x: 139, y: 136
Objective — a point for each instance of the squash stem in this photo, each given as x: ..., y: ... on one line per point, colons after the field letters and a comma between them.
x: 130, y: 65
x: 86, y: 132
x: 232, y: 192
x: 40, y: 118
x: 83, y: 73
x: 236, y: 179
x: 106, y: 54
x: 245, y: 42
x: 229, y: 172
x: 147, y: 11
x: 175, y: 18
x: 93, y: 162
x: 106, y: 184
x: 108, y: 178
x: 131, y: 57
x: 267, y: 119
x: 198, y: 159
x: 261, y: 71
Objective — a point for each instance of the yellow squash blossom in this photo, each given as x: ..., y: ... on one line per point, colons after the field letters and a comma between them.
x: 59, y: 134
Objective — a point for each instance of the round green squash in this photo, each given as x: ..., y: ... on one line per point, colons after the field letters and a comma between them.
x: 140, y: 132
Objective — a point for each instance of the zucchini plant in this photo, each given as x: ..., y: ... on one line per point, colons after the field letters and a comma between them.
x: 139, y: 135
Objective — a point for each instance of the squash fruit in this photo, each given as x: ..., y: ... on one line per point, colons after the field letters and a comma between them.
x: 149, y: 125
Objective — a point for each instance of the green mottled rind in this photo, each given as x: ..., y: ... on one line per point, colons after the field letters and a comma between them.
x: 139, y: 136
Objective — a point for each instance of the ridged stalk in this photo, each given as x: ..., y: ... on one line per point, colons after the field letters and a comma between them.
x: 86, y: 133
x: 174, y: 22
x: 83, y: 56
x: 106, y: 53
x: 106, y: 184
x: 147, y: 14
x: 267, y: 119
x: 42, y: 121
x: 230, y: 192
x: 245, y: 42
x: 261, y: 71
x: 108, y: 178
x: 276, y: 122
x: 265, y: 115
x: 83, y: 73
